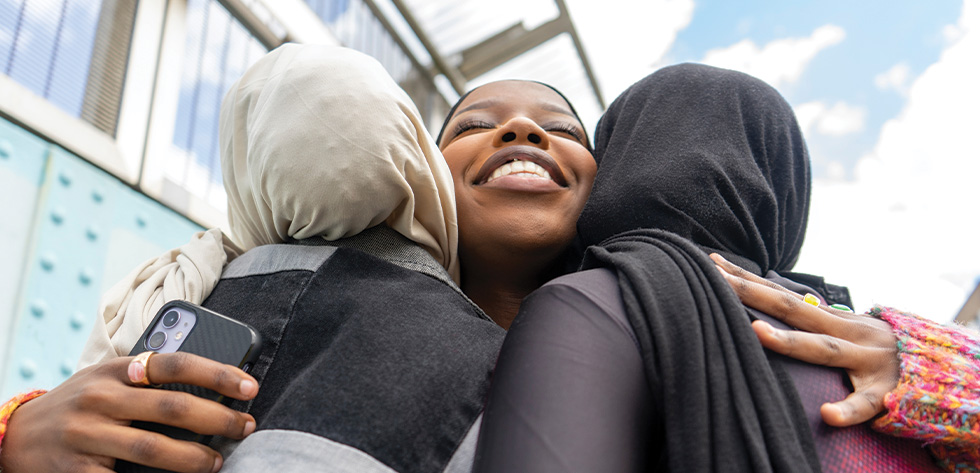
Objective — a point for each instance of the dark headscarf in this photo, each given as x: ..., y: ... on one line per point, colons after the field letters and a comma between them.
x: 694, y: 158
x: 452, y: 111
x: 711, y: 155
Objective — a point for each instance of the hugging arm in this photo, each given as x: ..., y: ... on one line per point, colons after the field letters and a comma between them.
x: 569, y: 392
x: 925, y: 376
x: 84, y: 423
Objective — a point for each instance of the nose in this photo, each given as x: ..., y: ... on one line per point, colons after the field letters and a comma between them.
x: 521, y: 130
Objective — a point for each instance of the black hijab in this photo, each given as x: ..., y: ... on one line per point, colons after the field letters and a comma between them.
x: 714, y: 156
x: 696, y: 158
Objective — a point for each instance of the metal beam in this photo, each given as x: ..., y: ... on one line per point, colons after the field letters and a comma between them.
x: 563, y: 9
x: 516, y: 40
x: 508, y: 44
x: 253, y: 24
x: 455, y: 77
x: 425, y: 72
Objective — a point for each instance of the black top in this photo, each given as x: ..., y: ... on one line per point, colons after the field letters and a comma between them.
x: 570, y: 393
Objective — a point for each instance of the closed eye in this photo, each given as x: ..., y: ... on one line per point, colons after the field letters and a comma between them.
x: 565, y: 128
x: 467, y: 125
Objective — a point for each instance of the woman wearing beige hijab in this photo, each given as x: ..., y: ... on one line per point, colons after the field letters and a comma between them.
x: 294, y: 168
x: 343, y: 256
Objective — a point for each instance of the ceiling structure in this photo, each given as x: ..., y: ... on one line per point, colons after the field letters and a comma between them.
x: 472, y: 42
x: 467, y: 43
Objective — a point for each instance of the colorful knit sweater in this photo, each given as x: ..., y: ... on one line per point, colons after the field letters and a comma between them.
x: 938, y: 395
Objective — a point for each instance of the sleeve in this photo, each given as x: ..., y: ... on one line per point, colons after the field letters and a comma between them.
x: 569, y: 391
x: 938, y: 395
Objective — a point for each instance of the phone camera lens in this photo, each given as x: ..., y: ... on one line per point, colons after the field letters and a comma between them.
x: 156, y: 340
x: 171, y: 318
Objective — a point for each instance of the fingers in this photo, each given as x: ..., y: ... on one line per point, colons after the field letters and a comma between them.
x: 809, y: 347
x: 191, y: 369
x: 150, y: 449
x: 734, y: 270
x: 787, y: 307
x: 180, y: 409
x: 856, y: 408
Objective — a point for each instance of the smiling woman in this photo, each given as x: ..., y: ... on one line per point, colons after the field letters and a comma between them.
x: 523, y: 169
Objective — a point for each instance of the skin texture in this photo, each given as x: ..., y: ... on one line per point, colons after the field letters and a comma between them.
x: 83, y: 424
x: 511, y: 235
x: 864, y: 346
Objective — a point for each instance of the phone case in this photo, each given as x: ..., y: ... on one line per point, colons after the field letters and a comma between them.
x: 214, y: 336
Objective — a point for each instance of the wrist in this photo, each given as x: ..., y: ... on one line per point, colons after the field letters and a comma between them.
x: 8, y: 408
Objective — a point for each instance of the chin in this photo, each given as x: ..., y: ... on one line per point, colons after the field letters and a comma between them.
x: 527, y: 237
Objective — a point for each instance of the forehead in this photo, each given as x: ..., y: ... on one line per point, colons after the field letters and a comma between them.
x: 514, y: 94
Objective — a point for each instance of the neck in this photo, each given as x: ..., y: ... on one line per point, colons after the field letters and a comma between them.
x: 499, y: 292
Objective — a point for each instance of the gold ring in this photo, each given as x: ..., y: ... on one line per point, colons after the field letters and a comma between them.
x: 138, y: 370
x: 812, y: 299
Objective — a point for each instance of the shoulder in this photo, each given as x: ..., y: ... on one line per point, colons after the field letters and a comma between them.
x: 269, y: 259
x: 599, y: 287
x: 588, y: 294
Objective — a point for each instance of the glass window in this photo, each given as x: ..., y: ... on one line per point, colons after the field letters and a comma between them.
x: 46, y: 46
x: 356, y: 27
x: 217, y: 52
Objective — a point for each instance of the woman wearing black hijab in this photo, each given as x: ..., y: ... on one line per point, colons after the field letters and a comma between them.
x: 647, y: 358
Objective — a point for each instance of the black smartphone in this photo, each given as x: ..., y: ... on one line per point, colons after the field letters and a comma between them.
x: 185, y: 327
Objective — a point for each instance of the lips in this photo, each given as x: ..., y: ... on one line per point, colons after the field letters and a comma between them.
x: 518, y: 159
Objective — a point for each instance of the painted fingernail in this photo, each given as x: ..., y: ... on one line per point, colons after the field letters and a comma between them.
x: 247, y: 387
x: 136, y: 372
x: 811, y: 299
x: 842, y: 307
x: 249, y: 428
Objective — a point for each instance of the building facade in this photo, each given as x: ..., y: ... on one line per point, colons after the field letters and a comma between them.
x: 108, y: 127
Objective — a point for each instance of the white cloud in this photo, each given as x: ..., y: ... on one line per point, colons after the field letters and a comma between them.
x: 641, y: 35
x: 836, y: 171
x: 833, y: 120
x: 905, y: 232
x: 778, y: 62
x: 896, y: 79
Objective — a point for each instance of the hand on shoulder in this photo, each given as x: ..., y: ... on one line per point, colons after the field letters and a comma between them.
x: 864, y: 346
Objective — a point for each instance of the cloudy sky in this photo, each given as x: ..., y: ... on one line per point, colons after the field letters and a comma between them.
x: 887, y: 94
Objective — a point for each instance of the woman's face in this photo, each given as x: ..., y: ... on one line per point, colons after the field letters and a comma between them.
x: 522, y: 169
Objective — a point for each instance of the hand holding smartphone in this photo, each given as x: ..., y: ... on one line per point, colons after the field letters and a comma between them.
x: 184, y: 327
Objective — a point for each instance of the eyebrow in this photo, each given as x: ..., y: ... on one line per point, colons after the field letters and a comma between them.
x: 487, y: 103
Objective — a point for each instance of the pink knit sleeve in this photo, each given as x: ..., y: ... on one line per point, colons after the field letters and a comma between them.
x: 938, y: 395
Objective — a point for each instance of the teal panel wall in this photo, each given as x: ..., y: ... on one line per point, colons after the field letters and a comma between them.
x: 85, y: 231
x: 22, y: 159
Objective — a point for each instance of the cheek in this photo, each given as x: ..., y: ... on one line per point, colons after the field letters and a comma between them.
x: 458, y: 157
x: 589, y: 170
x: 580, y: 162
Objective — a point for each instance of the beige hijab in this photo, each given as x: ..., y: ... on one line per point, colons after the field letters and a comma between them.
x: 315, y: 141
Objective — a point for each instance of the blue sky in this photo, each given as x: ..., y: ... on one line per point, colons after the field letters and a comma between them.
x: 878, y: 36
x: 886, y: 95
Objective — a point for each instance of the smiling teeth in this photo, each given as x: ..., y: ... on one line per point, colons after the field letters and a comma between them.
x: 520, y: 167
